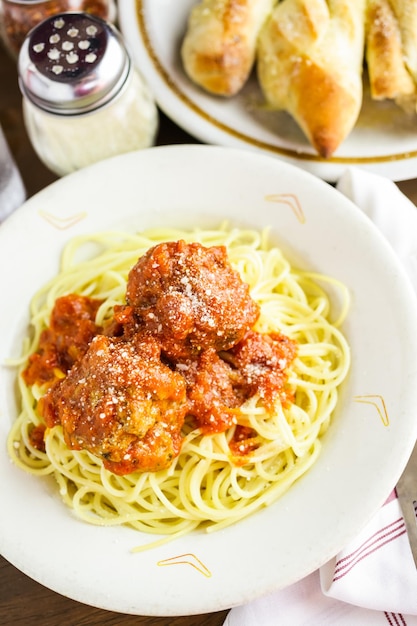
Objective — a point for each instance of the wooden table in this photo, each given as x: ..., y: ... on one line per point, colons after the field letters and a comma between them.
x: 22, y: 601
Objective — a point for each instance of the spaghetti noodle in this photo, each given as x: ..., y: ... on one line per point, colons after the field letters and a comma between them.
x: 206, y: 485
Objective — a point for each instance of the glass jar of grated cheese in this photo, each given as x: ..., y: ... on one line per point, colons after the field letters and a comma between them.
x: 82, y: 99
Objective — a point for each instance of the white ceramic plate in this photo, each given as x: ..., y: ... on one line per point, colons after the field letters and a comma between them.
x: 366, y: 447
x: 384, y: 140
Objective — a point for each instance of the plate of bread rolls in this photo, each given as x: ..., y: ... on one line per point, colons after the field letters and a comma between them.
x: 322, y: 84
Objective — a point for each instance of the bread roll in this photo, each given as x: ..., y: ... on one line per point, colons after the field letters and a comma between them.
x: 310, y: 61
x: 389, y: 77
x: 406, y: 14
x: 218, y: 50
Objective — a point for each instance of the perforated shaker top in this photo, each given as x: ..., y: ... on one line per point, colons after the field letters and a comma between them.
x: 72, y: 63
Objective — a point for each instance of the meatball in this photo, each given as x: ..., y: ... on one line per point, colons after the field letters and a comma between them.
x: 121, y: 403
x: 191, y: 298
x: 263, y: 362
x: 212, y: 391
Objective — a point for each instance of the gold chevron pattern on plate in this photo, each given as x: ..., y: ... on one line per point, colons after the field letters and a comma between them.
x: 63, y: 223
x: 187, y: 559
x: 378, y: 402
x: 290, y: 200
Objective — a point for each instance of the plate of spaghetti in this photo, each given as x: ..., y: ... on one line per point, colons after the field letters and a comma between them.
x: 195, y: 402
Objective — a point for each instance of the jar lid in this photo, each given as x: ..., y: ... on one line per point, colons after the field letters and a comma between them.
x: 72, y: 63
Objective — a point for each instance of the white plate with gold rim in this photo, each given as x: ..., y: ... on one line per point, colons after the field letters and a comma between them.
x: 383, y: 141
x: 364, y: 451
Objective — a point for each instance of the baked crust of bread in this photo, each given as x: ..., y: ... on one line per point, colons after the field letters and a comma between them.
x: 387, y: 71
x: 310, y: 63
x: 406, y: 14
x: 219, y: 47
x: 390, y: 52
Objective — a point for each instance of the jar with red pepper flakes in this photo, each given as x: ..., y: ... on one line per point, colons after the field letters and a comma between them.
x: 18, y: 17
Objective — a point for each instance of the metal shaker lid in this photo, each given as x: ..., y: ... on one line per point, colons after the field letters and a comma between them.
x: 72, y: 63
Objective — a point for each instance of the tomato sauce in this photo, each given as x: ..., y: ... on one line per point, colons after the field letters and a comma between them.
x: 70, y: 330
x: 123, y: 392
x: 243, y: 443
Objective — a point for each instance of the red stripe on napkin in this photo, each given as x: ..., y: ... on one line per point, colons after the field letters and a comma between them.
x: 376, y: 541
x: 395, y: 619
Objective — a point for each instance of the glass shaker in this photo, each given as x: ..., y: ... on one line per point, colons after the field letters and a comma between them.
x: 83, y: 101
x: 18, y: 17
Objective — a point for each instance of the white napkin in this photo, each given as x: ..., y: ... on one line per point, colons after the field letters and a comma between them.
x: 373, y: 581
